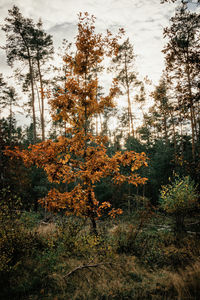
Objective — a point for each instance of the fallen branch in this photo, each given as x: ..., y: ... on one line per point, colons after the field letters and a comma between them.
x: 195, y: 223
x: 84, y: 267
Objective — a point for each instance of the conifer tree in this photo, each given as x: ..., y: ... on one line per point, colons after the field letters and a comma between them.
x: 42, y: 46
x: 182, y: 64
x: 18, y: 48
x: 28, y: 43
x: 124, y: 66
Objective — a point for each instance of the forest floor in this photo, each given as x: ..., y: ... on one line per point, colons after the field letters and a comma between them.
x: 133, y: 257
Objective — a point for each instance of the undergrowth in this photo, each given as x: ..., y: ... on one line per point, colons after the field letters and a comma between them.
x: 63, y: 260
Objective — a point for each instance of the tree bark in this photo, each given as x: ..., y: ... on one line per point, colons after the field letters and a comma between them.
x: 130, y: 116
x: 192, y: 115
x: 42, y: 101
x: 32, y: 99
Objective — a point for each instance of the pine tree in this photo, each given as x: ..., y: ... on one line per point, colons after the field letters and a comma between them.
x: 27, y: 42
x: 124, y: 66
x: 42, y: 45
x: 18, y: 48
x: 182, y: 63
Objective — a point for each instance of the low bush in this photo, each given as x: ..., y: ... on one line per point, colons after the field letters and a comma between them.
x: 178, y: 198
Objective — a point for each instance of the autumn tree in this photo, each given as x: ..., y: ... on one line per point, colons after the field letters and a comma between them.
x: 79, y: 158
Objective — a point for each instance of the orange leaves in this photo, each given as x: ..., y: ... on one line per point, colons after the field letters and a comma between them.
x: 80, y: 158
x: 112, y: 212
x: 75, y: 202
x: 16, y: 153
x: 129, y: 159
x: 65, y: 160
x: 105, y: 205
x: 79, y: 100
x: 90, y: 46
x: 115, y: 212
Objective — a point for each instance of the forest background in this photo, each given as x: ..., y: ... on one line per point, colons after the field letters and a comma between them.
x: 76, y: 170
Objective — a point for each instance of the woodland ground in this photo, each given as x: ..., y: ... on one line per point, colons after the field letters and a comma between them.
x: 136, y: 256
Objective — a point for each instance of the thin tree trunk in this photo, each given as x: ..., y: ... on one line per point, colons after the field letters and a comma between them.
x: 165, y: 128
x: 96, y: 118
x: 38, y: 96
x: 32, y: 87
x: 101, y: 123
x: 130, y: 116
x: 90, y: 201
x: 192, y: 117
x: 174, y: 135
x: 42, y: 101
x: 33, y: 99
x: 94, y: 226
x: 179, y: 223
x: 10, y: 121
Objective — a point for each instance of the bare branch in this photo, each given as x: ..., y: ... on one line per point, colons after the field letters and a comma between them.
x: 85, y: 267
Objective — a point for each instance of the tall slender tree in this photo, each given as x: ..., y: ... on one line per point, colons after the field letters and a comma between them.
x: 3, y: 87
x: 124, y: 66
x: 182, y: 55
x: 29, y: 43
x: 162, y: 107
x: 19, y: 48
x: 42, y: 46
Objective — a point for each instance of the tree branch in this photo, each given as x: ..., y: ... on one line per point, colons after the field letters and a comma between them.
x: 84, y: 267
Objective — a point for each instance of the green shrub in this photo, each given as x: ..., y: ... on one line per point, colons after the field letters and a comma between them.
x: 178, y: 198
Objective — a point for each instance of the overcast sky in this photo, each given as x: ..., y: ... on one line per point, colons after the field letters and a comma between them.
x: 143, y: 21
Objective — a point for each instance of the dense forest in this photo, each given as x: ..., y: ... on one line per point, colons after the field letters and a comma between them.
x: 96, y: 202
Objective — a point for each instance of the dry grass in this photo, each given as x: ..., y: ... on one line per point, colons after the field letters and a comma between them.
x: 123, y: 278
x: 187, y: 282
x: 46, y: 229
x: 116, y: 274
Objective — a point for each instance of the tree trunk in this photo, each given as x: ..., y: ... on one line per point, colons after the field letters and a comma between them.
x: 93, y: 226
x: 130, y: 116
x: 42, y: 101
x: 179, y: 223
x: 174, y: 136
x: 192, y: 115
x: 165, y: 128
x: 32, y: 100
x: 10, y: 122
